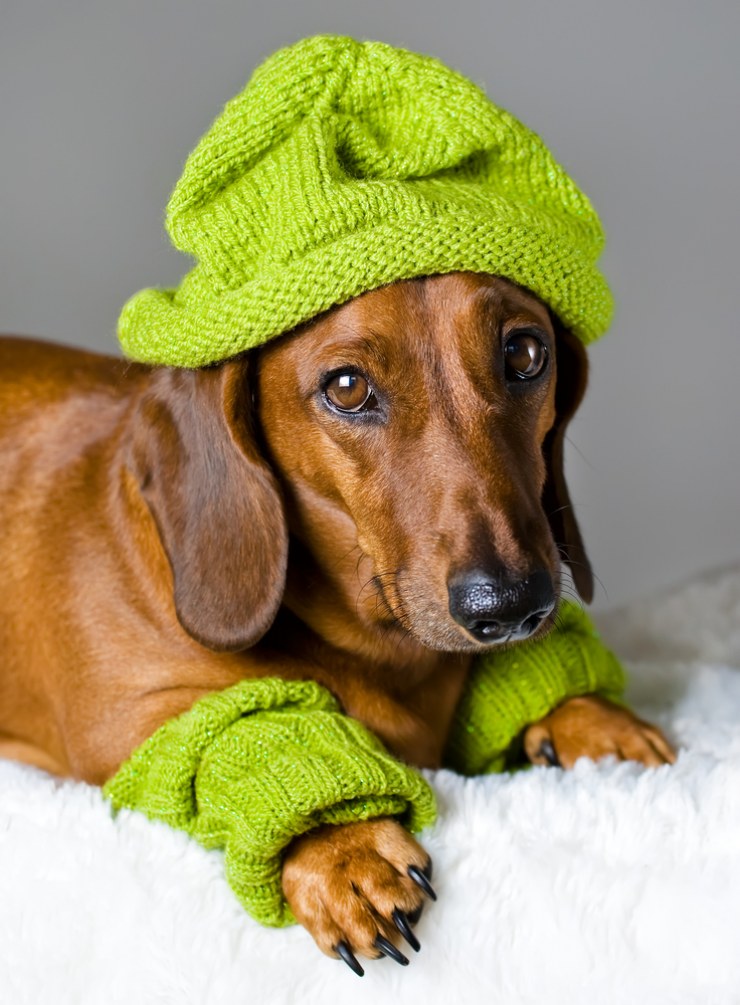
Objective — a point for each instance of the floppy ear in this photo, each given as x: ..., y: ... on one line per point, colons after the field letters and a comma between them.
x: 572, y: 375
x: 215, y: 502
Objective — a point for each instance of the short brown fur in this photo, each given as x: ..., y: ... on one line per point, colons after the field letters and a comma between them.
x: 167, y: 533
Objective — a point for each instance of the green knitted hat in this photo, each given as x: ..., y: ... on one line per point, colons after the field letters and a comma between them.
x: 343, y: 166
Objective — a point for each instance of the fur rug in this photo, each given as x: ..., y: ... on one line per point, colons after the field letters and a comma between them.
x: 608, y: 884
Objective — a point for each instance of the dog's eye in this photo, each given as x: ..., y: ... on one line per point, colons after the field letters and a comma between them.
x: 350, y: 392
x: 525, y: 356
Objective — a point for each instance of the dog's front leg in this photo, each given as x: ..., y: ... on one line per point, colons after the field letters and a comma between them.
x: 358, y: 887
x: 593, y: 727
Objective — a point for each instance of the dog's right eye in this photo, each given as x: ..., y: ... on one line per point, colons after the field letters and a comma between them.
x: 350, y: 392
x: 525, y: 355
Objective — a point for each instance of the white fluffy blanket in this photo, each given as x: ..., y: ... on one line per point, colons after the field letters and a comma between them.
x: 610, y: 883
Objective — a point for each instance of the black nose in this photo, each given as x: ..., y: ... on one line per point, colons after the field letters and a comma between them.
x: 499, y: 608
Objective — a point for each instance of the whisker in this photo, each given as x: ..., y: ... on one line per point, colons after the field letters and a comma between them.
x: 579, y: 452
x: 355, y: 547
x: 377, y: 580
x: 560, y: 509
x: 563, y: 552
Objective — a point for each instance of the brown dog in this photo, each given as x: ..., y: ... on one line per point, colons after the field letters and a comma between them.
x: 408, y: 444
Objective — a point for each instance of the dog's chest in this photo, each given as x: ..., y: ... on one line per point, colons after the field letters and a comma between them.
x: 414, y: 723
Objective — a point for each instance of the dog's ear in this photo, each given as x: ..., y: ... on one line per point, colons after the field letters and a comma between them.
x: 215, y: 502
x: 572, y: 375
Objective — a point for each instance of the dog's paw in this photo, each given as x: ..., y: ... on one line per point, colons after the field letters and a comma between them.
x: 593, y: 727
x: 358, y: 887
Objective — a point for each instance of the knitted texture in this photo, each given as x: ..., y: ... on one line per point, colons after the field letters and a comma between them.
x: 250, y: 768
x: 509, y: 690
x: 343, y: 166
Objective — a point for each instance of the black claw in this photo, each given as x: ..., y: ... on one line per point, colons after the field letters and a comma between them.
x: 548, y: 752
x: 349, y: 958
x: 388, y: 949
x: 413, y: 916
x: 401, y: 923
x: 420, y: 879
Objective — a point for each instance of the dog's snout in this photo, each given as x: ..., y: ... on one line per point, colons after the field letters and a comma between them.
x: 497, y: 608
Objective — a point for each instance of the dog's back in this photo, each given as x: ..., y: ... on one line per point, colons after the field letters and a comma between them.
x: 92, y: 656
x: 56, y: 403
x: 58, y: 410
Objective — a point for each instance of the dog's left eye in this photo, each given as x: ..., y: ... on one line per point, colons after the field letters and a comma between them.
x: 350, y: 392
x: 525, y: 356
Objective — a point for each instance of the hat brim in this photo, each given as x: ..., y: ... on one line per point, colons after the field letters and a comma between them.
x: 191, y: 326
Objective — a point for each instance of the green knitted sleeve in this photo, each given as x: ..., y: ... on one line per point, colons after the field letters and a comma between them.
x: 250, y: 768
x: 508, y: 691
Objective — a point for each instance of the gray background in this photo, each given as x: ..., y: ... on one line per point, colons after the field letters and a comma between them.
x: 639, y: 100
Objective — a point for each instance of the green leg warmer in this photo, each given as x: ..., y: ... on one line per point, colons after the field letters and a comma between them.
x: 510, y: 689
x: 250, y: 768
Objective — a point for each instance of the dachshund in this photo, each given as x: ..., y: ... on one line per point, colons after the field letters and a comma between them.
x: 367, y: 501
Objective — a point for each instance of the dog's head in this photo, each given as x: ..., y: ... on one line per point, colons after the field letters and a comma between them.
x: 415, y: 432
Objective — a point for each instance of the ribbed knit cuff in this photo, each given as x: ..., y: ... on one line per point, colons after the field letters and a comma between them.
x: 508, y: 691
x: 250, y: 768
